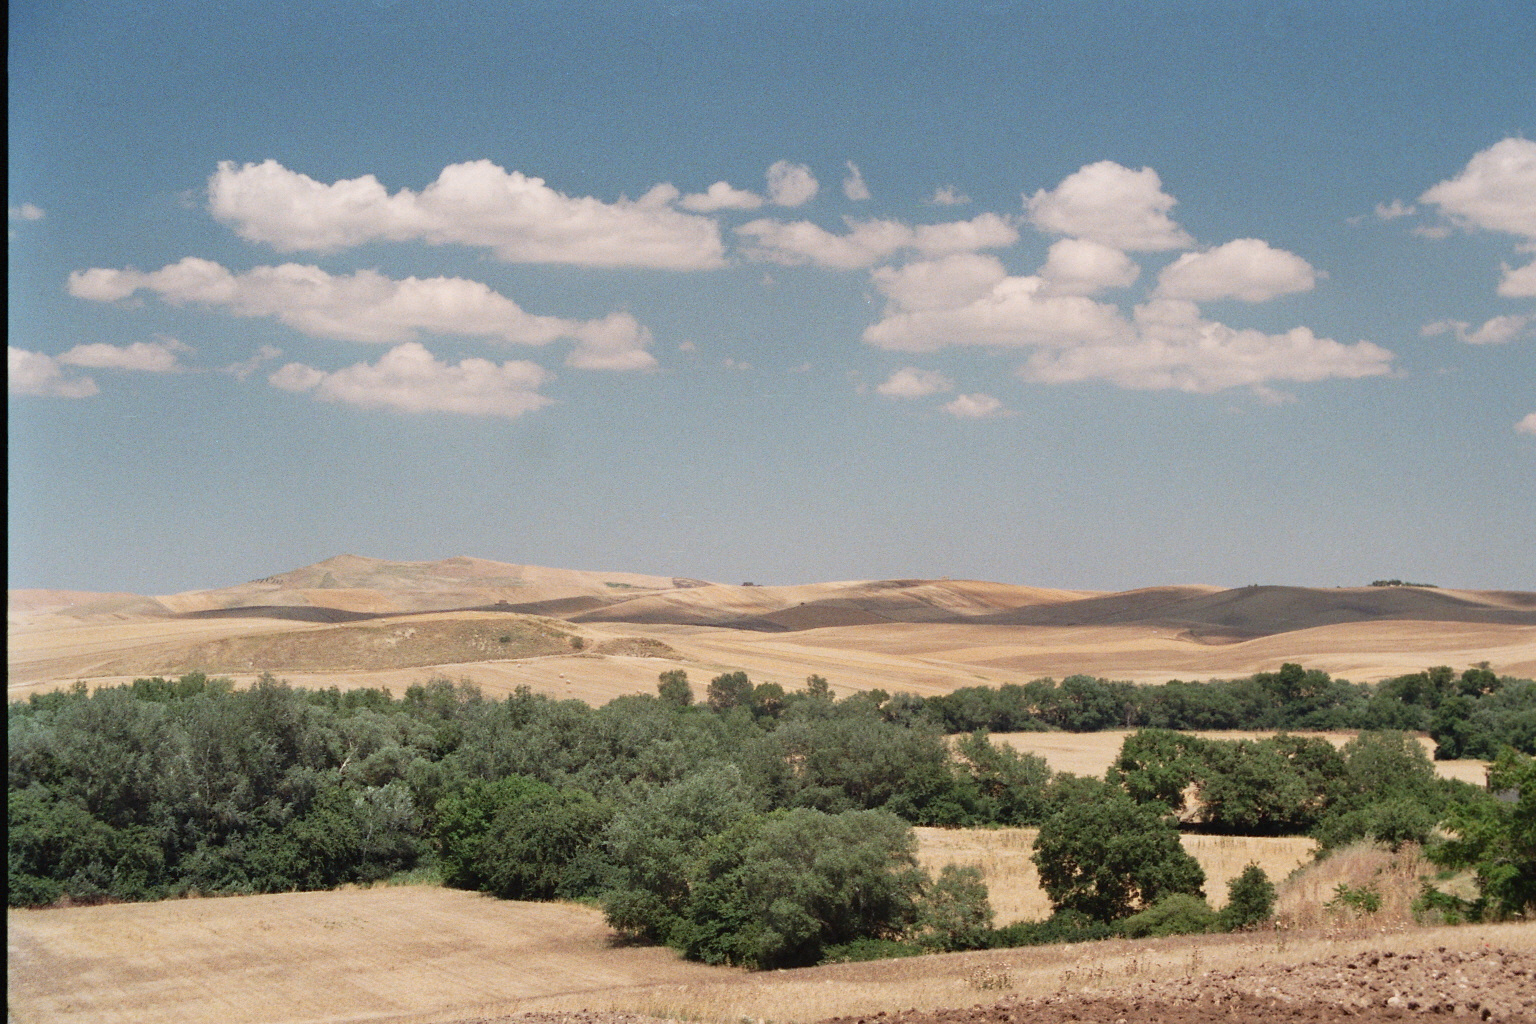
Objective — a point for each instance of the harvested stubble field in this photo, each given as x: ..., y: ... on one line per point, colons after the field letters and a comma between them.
x: 426, y: 955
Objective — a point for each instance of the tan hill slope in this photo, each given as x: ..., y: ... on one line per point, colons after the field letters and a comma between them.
x: 353, y: 621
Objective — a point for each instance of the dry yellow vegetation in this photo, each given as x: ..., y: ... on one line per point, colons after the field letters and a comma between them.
x: 423, y: 954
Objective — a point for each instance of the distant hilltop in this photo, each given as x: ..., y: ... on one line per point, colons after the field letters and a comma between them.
x: 351, y: 587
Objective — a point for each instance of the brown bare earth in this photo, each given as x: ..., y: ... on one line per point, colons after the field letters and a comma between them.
x: 353, y: 621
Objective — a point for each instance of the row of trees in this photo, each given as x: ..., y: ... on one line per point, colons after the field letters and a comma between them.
x: 754, y: 826
x: 1475, y: 713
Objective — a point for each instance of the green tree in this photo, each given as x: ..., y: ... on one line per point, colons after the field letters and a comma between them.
x: 673, y: 688
x: 1111, y: 857
x: 1496, y: 837
x: 654, y: 845
x: 956, y: 912
x: 729, y: 690
x: 1159, y: 764
x: 1250, y: 900
x: 777, y: 891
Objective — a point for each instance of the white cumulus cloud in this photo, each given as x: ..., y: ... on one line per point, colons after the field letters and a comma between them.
x: 369, y: 307
x: 26, y: 211
x: 410, y: 379
x: 1519, y: 282
x: 870, y: 241
x: 161, y: 356
x: 791, y: 184
x: 1527, y: 425
x: 853, y: 185
x: 1076, y: 266
x: 1496, y: 191
x: 721, y: 196
x: 519, y: 218
x: 1496, y: 330
x: 1107, y: 203
x: 1246, y: 268
x: 34, y: 373
x: 973, y: 406
x: 971, y: 300
x: 1175, y: 348
x: 911, y: 382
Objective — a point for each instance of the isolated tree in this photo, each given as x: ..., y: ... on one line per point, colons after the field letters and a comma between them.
x: 673, y: 688
x: 1250, y: 900
x: 1111, y: 857
x: 817, y: 687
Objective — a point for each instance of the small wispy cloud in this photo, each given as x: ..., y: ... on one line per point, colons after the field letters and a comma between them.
x: 1497, y: 330
x: 244, y: 368
x: 1527, y: 425
x: 911, y: 382
x: 853, y: 185
x: 791, y: 184
x: 24, y: 212
x: 948, y: 195
x: 721, y: 196
x: 160, y: 356
x: 976, y: 406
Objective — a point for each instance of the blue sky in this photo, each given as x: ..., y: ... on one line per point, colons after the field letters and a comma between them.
x: 1089, y: 295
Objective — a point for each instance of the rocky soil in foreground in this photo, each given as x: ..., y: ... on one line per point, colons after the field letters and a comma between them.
x: 1488, y: 984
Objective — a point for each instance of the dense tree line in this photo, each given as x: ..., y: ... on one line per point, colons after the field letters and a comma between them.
x: 1473, y: 714
x: 755, y: 826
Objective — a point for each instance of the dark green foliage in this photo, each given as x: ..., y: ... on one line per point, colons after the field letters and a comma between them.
x: 673, y: 688
x: 956, y: 913
x: 777, y: 891
x: 729, y: 690
x: 1111, y: 857
x: 865, y: 950
x: 654, y: 845
x: 1010, y: 786
x: 1176, y: 914
x: 1496, y: 837
x: 1250, y: 900
x: 1387, y: 792
x: 1062, y: 926
x: 1159, y: 765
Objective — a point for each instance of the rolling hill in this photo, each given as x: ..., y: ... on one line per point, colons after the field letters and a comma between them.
x: 352, y: 620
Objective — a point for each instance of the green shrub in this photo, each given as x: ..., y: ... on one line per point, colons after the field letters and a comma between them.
x: 1250, y: 900
x: 1176, y: 914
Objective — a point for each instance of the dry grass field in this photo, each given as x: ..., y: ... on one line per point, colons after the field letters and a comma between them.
x: 422, y: 954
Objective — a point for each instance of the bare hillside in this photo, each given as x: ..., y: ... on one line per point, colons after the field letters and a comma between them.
x: 362, y: 621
